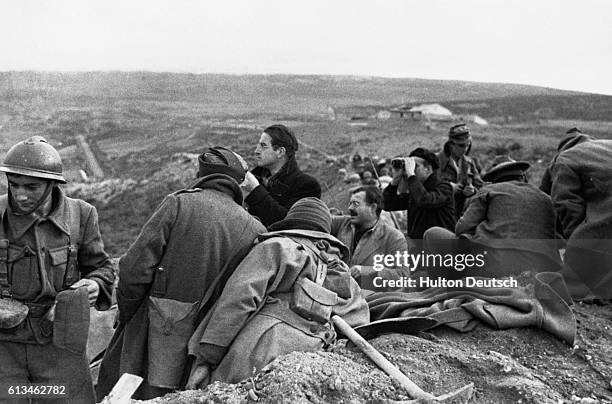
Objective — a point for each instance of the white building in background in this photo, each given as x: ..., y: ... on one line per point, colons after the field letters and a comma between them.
x: 383, y: 114
x: 434, y: 112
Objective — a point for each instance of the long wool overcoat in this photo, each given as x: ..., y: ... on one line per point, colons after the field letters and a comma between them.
x: 253, y: 324
x: 193, y: 235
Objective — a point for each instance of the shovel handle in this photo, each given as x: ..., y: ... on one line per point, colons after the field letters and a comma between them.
x: 415, y: 391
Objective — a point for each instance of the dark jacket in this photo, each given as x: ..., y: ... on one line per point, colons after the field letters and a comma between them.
x: 465, y: 172
x: 428, y: 205
x: 511, y: 215
x: 66, y: 257
x: 271, y: 200
x: 193, y: 235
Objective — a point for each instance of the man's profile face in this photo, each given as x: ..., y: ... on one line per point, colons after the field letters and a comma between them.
x: 422, y: 169
x: 26, y: 191
x: 360, y: 211
x: 264, y: 152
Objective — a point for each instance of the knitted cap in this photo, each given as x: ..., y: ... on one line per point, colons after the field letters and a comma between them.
x: 307, y: 214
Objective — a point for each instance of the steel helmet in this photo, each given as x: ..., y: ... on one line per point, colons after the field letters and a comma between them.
x: 34, y: 157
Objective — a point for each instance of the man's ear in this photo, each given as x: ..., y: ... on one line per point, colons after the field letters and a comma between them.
x: 281, y: 151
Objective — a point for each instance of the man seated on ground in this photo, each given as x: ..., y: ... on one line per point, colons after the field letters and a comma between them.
x: 366, y: 236
x: 417, y: 189
x: 582, y: 196
x: 280, y: 299
x: 510, y: 219
x: 277, y: 182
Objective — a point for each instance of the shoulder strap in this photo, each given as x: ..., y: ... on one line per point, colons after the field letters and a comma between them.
x: 75, y: 225
x: 319, y: 254
x: 74, y: 239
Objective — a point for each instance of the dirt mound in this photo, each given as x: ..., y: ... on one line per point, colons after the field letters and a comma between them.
x: 523, y: 365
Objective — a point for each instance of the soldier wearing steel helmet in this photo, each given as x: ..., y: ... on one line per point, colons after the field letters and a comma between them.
x: 52, y: 268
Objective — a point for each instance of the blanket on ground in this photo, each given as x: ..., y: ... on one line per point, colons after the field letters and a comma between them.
x: 543, y: 303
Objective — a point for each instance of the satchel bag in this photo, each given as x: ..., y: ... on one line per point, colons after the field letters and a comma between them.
x: 171, y: 324
x: 312, y: 301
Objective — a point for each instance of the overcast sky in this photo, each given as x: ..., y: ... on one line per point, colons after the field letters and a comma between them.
x: 562, y: 44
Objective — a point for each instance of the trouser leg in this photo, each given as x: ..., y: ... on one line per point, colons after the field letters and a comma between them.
x: 49, y: 364
x: 13, y: 370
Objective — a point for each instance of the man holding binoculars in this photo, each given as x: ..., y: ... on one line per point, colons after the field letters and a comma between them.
x: 416, y: 188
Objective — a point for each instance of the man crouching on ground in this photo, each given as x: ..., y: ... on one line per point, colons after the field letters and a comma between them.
x: 280, y: 299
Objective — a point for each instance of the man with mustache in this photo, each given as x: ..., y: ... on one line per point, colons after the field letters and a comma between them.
x: 366, y: 236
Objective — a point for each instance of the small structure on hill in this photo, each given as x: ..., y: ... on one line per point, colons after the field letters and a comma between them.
x: 430, y: 112
x: 434, y: 112
x: 383, y: 114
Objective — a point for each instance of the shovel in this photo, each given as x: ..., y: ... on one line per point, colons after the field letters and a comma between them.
x: 462, y: 394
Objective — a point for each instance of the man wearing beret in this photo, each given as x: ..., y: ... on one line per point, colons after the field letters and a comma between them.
x: 416, y: 187
x: 510, y: 219
x: 457, y: 167
x: 174, y: 272
x: 277, y: 182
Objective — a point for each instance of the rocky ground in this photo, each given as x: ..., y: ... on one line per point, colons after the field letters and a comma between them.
x: 512, y: 366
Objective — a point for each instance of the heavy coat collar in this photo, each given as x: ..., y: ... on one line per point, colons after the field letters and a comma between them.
x: 59, y: 215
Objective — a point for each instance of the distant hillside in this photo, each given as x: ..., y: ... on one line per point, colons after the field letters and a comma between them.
x: 586, y: 107
x: 251, y: 93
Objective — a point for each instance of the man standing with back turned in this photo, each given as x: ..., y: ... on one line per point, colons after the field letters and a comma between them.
x: 277, y: 182
x: 52, y: 268
x: 174, y: 272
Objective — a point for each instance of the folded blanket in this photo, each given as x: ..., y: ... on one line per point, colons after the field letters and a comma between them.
x: 543, y: 303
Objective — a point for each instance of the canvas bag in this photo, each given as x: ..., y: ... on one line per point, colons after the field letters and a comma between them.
x: 171, y: 325
x: 310, y: 299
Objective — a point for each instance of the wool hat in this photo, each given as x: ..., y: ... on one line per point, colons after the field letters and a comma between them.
x: 221, y: 160
x: 284, y: 137
x: 459, y: 132
x: 307, y: 214
x: 504, y: 166
x: 426, y: 155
